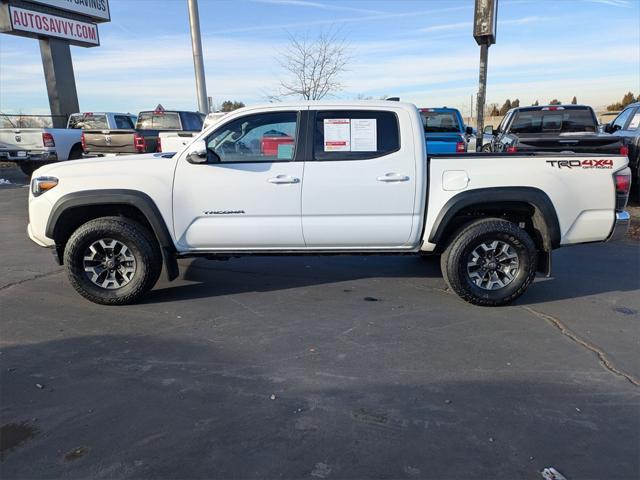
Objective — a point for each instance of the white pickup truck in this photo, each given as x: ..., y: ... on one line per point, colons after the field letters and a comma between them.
x: 177, y: 141
x: 323, y: 178
x: 30, y: 148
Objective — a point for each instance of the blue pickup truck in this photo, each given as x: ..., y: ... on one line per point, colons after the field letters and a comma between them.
x: 444, y: 130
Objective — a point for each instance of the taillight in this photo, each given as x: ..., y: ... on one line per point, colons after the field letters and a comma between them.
x: 512, y: 149
x: 47, y: 140
x: 139, y: 143
x: 622, y: 180
x: 83, y: 141
x: 624, y: 150
x: 460, y: 147
x: 159, y: 145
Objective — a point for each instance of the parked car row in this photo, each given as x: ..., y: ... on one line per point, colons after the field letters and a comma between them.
x: 102, y: 133
x: 30, y: 148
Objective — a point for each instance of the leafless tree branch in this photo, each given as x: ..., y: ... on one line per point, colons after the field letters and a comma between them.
x: 313, y: 67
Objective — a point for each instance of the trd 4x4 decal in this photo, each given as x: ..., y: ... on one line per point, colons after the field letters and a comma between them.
x: 581, y: 163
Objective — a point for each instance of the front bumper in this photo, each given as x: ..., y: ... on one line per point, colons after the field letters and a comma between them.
x: 620, y: 227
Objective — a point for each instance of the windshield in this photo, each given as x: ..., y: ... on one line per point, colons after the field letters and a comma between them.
x: 440, y: 122
x: 88, y: 121
x: 159, y: 121
x: 554, y: 121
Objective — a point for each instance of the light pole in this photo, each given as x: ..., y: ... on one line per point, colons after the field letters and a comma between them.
x: 198, y: 63
x: 484, y: 31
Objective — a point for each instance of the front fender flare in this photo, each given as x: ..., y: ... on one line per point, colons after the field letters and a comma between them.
x: 137, y: 199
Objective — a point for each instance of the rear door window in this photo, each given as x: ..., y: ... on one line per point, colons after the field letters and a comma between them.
x: 439, y: 121
x: 88, y: 121
x: 159, y: 121
x: 123, y: 122
x: 355, y: 134
x: 192, y: 122
x: 554, y: 121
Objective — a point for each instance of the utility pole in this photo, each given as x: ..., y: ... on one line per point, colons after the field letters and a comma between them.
x: 484, y: 31
x: 198, y: 63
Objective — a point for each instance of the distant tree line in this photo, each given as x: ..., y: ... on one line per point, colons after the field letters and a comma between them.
x: 627, y: 99
x: 495, y: 111
x: 230, y: 105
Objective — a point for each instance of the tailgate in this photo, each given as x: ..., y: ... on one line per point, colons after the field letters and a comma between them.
x: 21, y: 139
x: 109, y: 141
x: 442, y: 143
x: 571, y: 143
x: 175, y: 141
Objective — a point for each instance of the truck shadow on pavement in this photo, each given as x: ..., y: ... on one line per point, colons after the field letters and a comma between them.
x: 143, y: 407
x: 577, y: 272
x: 274, y: 273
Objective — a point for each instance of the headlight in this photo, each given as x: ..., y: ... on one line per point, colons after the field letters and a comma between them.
x: 39, y: 185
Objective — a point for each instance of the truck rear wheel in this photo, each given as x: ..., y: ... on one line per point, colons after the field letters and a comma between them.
x: 29, y: 167
x: 112, y: 260
x: 489, y: 262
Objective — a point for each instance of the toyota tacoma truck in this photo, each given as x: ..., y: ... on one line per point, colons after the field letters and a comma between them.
x: 323, y: 178
x: 30, y: 148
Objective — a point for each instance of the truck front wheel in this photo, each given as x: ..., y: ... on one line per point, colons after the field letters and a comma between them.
x: 489, y: 262
x: 112, y: 260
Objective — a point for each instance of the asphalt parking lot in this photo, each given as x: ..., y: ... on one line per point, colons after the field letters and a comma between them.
x: 318, y: 367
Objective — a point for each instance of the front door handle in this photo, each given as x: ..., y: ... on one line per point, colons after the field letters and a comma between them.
x: 393, y: 177
x: 280, y: 179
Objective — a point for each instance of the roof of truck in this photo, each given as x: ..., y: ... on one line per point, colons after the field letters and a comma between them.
x: 331, y: 103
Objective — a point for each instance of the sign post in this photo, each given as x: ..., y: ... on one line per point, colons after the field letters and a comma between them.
x: 198, y: 63
x: 56, y: 24
x: 484, y: 31
x: 61, y: 83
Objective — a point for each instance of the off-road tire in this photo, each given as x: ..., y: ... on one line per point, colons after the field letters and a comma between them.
x: 453, y: 262
x: 140, y: 242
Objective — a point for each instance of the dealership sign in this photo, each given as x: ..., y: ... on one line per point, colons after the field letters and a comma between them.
x: 32, y: 23
x: 97, y: 10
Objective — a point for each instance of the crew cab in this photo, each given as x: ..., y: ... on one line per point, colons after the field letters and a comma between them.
x: 626, y: 127
x: 445, y: 131
x: 144, y: 137
x: 553, y: 128
x: 32, y: 147
x: 323, y: 178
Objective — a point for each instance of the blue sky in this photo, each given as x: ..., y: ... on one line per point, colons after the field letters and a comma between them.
x: 420, y: 50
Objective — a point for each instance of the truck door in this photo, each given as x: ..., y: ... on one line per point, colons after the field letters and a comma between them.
x: 360, y: 186
x: 248, y: 194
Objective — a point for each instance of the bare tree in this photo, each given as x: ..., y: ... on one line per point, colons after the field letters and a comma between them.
x: 313, y: 66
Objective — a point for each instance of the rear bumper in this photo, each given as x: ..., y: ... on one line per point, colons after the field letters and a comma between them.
x: 620, y: 227
x: 29, y: 156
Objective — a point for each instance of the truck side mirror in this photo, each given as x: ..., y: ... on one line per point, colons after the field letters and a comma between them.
x: 488, y: 130
x: 197, y: 152
x: 468, y: 131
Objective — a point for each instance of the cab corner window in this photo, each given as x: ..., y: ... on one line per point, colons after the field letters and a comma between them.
x: 355, y: 134
x: 264, y: 137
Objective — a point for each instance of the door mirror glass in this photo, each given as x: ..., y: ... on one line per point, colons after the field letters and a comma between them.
x: 468, y: 131
x: 488, y: 130
x: 197, y: 152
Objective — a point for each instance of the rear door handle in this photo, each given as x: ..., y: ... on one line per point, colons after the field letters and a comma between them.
x: 280, y: 179
x: 393, y: 177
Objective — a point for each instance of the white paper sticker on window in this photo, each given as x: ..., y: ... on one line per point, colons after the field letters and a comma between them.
x: 364, y: 135
x: 337, y: 135
x: 635, y: 122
